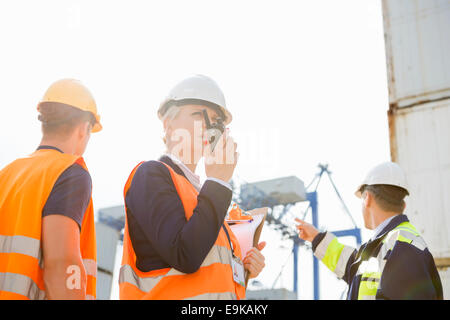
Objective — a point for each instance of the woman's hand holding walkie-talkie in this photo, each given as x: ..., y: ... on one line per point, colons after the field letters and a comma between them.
x: 221, y: 162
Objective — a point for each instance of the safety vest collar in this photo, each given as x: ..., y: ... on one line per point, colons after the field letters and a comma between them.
x: 392, y: 225
x: 46, y: 147
x: 168, y: 161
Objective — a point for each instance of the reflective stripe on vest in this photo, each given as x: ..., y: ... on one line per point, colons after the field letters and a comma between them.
x: 405, y: 232
x: 20, y: 244
x: 372, y: 269
x: 370, y: 278
x: 217, y: 254
x: 90, y: 266
x: 17, y: 283
x: 21, y: 285
x: 26, y: 184
x: 213, y: 280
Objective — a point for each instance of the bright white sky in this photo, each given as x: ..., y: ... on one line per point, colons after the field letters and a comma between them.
x: 305, y: 80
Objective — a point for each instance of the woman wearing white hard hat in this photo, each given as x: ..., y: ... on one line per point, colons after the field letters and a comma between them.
x: 395, y: 263
x: 176, y: 243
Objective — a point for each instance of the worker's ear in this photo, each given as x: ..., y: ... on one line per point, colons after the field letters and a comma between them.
x: 167, y: 126
x: 84, y: 129
x: 166, y: 123
x: 88, y: 128
x: 168, y: 130
x: 368, y: 199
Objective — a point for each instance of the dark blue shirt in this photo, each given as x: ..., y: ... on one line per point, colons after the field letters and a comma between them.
x: 71, y: 193
x: 159, y: 232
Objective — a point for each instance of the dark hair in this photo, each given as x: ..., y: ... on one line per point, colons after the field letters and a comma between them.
x: 388, y: 197
x: 61, y: 119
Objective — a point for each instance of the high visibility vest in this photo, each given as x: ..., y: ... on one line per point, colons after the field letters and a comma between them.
x: 213, y: 280
x: 335, y: 256
x: 26, y: 185
x: 372, y: 269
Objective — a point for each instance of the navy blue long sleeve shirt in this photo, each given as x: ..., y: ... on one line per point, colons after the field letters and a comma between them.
x: 159, y: 232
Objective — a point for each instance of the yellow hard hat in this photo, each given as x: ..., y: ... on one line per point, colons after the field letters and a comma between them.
x: 73, y: 93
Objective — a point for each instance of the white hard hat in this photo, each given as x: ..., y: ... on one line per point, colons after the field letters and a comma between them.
x: 388, y: 173
x: 197, y: 89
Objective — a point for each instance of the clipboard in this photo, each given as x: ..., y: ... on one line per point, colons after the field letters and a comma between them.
x: 257, y: 233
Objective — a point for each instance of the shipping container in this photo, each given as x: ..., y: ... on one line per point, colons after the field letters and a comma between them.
x: 417, y: 38
x: 420, y: 142
x: 417, y: 49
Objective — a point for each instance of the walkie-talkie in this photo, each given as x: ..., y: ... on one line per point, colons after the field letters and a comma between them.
x: 213, y: 131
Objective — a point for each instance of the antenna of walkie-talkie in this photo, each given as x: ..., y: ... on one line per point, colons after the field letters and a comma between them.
x: 213, y: 131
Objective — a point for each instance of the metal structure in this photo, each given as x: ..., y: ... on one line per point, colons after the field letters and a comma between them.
x: 110, y: 223
x: 263, y: 194
x: 417, y: 37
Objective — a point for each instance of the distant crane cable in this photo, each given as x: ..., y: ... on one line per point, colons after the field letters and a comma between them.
x: 324, y: 168
x: 318, y: 177
x: 342, y: 200
x: 282, y: 268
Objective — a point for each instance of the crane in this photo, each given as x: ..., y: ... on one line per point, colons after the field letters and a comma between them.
x: 267, y: 194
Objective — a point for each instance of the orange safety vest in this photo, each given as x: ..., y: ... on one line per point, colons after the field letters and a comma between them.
x: 26, y: 184
x: 213, y: 280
